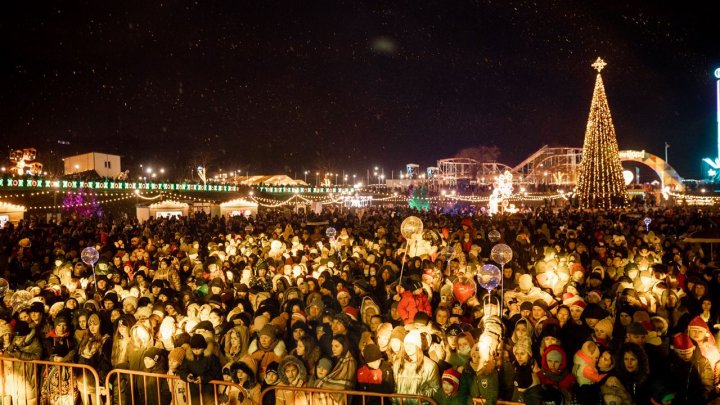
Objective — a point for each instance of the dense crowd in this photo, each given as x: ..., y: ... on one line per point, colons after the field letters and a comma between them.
x: 593, y: 308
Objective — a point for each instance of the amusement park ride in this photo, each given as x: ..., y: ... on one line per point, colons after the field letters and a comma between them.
x: 555, y: 166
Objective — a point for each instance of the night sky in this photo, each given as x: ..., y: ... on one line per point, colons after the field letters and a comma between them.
x: 281, y: 86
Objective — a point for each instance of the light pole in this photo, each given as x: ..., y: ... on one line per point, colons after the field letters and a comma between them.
x: 305, y: 173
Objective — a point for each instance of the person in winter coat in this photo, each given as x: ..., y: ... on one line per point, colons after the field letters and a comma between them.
x: 484, y: 377
x: 414, y: 373
x: 307, y: 351
x: 412, y: 301
x: 449, y: 394
x: 554, y: 373
x: 292, y: 374
x: 94, y: 350
x: 376, y: 375
x: 178, y: 389
x: 148, y: 388
x: 342, y: 376
x: 244, y: 372
x: 586, y: 372
x: 267, y: 348
x: 633, y: 372
x: 690, y: 376
x: 235, y: 343
x: 20, y: 381
x: 60, y: 335
x: 522, y: 365
x: 199, y: 368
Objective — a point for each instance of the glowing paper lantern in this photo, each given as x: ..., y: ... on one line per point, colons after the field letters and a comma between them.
x: 411, y: 226
x: 494, y: 236
x: 501, y: 254
x: 489, y: 276
x: 628, y: 176
x: 89, y: 256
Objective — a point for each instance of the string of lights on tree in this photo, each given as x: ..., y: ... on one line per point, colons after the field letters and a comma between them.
x: 600, y: 183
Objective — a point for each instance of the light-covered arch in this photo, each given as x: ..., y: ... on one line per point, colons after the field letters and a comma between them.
x: 668, y: 176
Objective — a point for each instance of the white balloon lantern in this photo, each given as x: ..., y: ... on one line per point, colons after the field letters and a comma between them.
x: 501, y: 254
x: 494, y: 236
x: 409, y: 227
x: 90, y: 256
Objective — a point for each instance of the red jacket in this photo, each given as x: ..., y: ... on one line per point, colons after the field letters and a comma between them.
x: 412, y: 304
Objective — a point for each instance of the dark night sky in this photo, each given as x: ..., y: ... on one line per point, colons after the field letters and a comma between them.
x: 281, y: 85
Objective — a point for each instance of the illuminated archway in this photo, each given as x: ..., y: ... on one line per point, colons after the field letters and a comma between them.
x: 668, y: 176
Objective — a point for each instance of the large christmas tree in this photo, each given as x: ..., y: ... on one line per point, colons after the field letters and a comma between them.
x: 601, y: 183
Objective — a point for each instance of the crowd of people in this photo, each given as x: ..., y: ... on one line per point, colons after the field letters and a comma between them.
x: 593, y: 308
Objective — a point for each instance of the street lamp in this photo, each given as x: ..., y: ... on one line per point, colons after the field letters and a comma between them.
x: 305, y: 173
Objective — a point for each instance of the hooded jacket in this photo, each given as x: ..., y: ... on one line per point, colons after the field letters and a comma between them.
x: 561, y: 379
x: 288, y: 396
x: 410, y: 304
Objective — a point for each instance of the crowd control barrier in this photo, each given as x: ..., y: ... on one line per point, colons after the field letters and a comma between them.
x: 324, y: 396
x: 31, y: 382
x: 126, y: 387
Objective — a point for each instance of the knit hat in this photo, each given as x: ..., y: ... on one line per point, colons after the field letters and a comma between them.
x: 325, y: 364
x: 636, y: 328
x: 541, y: 304
x: 268, y: 330
x: 204, y: 325
x: 594, y: 311
x: 177, y: 355
x: 526, y: 306
x: 524, y: 344
x: 131, y: 300
x: 605, y: 325
x: 5, y: 329
x: 682, y: 341
x: 371, y: 353
x: 453, y: 377
x: 198, y: 342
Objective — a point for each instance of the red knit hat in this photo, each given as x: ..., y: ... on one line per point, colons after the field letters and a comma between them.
x: 682, y: 341
x: 453, y: 377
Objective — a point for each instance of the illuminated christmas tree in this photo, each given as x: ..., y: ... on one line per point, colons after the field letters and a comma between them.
x: 601, y: 183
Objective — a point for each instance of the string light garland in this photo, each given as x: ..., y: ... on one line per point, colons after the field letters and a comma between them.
x: 87, y: 204
x: 187, y: 197
x: 600, y: 183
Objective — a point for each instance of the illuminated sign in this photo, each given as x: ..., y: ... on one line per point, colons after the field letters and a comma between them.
x: 633, y: 155
x: 12, y: 182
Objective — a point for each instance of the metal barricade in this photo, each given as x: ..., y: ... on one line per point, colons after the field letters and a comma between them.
x: 318, y: 396
x: 27, y: 382
x: 127, y: 387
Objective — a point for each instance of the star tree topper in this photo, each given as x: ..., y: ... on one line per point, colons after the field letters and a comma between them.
x: 599, y: 64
